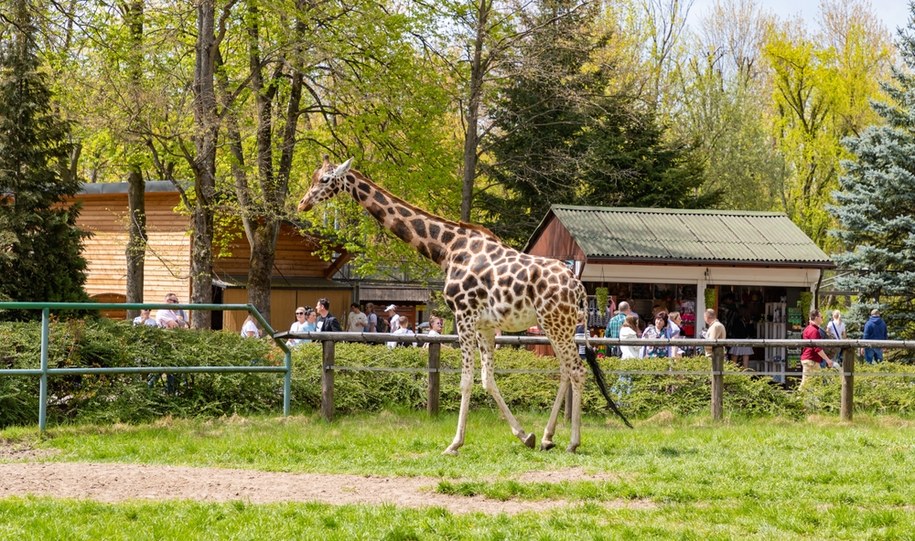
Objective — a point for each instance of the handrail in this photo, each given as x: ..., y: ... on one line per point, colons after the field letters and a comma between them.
x: 44, y: 371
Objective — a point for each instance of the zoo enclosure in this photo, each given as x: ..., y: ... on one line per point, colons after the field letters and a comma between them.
x: 45, y: 371
x: 716, y: 372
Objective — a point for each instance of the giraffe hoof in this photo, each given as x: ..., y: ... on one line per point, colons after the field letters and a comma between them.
x: 546, y: 445
x: 452, y: 449
x: 571, y: 448
x: 529, y: 440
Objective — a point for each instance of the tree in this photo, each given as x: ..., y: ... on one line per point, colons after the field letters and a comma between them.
x: 820, y: 96
x: 560, y: 137
x: 875, y: 203
x: 723, y: 108
x: 40, y: 242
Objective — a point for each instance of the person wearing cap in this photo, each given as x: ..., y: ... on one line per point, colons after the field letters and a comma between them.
x: 874, y: 329
x: 393, y: 317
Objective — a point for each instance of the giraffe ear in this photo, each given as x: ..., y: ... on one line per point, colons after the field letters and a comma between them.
x: 342, y: 168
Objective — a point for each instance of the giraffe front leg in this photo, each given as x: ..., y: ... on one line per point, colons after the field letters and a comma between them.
x: 467, y: 356
x: 546, y: 443
x: 487, y: 345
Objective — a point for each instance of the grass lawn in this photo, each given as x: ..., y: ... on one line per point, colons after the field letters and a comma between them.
x: 740, y: 479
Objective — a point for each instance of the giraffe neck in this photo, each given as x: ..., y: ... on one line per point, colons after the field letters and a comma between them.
x: 432, y: 236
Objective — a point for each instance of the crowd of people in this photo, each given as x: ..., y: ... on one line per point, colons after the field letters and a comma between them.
x: 624, y: 324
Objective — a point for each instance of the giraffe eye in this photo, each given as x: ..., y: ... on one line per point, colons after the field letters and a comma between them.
x: 325, y: 179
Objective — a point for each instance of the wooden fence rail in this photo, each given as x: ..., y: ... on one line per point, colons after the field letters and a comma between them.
x: 716, y: 372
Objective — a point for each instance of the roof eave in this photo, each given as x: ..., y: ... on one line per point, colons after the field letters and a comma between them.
x: 711, y: 262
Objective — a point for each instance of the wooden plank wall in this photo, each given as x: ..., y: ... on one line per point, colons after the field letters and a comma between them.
x: 168, y: 254
x: 283, y: 303
x: 294, y: 257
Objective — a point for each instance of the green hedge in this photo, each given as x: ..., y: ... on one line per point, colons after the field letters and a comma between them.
x: 138, y: 398
x: 131, y: 398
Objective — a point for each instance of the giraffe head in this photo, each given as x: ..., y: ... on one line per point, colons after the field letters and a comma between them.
x: 326, y: 182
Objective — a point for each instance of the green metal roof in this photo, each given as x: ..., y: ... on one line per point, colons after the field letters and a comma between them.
x: 692, y: 236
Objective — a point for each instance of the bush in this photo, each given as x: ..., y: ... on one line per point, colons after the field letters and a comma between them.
x: 647, y: 395
x: 132, y: 397
x: 142, y: 397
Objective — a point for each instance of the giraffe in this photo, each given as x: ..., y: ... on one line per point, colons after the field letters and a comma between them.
x: 488, y: 286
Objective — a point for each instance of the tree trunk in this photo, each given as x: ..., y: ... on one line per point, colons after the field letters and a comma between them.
x: 471, y: 133
x: 204, y: 163
x: 136, y: 239
x: 136, y: 186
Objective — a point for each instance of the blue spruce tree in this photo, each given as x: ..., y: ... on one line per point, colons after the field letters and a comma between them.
x: 875, y: 205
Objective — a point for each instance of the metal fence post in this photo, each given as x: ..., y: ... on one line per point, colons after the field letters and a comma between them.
x: 434, y: 388
x: 287, y: 384
x: 717, y: 382
x: 848, y: 384
x: 43, y: 384
x: 327, y: 380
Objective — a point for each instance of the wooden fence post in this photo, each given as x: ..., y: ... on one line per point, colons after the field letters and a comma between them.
x: 848, y: 384
x: 717, y: 382
x: 327, y: 380
x: 434, y: 389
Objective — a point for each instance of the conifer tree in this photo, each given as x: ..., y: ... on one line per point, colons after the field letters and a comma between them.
x: 39, y: 241
x: 875, y: 204
x: 562, y: 138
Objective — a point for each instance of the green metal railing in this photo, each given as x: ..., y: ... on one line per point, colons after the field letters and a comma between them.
x: 44, y: 371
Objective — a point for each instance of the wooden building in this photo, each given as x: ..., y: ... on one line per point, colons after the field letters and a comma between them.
x: 755, y: 267
x: 299, y: 279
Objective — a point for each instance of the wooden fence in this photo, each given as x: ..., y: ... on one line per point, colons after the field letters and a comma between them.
x: 716, y: 370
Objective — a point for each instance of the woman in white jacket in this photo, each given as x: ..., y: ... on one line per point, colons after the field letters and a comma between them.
x: 630, y: 331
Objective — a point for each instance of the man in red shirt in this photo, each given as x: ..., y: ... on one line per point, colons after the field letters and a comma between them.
x: 811, y: 356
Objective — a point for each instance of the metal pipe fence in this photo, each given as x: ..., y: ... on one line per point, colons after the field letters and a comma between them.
x: 44, y: 371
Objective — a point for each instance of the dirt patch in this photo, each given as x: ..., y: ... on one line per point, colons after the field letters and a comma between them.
x: 125, y: 482
x: 22, y: 451
x: 567, y: 474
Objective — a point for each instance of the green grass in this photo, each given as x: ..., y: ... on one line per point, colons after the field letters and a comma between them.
x: 741, y: 479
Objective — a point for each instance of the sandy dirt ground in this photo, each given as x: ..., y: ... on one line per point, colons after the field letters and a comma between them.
x: 24, y: 472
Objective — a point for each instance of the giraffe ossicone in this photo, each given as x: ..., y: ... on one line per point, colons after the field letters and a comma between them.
x: 488, y: 286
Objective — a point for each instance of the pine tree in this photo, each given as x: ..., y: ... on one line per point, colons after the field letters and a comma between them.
x: 561, y: 138
x: 39, y: 241
x: 875, y: 205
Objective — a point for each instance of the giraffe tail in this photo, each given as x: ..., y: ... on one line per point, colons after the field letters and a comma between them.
x: 591, y: 357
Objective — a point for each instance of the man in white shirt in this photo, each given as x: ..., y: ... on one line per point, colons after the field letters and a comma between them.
x: 171, y: 319
x: 357, y: 321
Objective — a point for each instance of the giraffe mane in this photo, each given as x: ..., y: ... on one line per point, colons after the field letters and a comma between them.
x: 475, y: 227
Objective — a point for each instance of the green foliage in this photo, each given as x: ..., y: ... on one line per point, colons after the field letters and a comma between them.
x: 873, y: 394
x: 562, y: 138
x: 38, y: 238
x: 875, y: 207
x: 132, y: 398
x: 820, y: 96
x: 365, y: 380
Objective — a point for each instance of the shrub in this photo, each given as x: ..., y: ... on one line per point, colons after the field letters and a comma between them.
x: 132, y: 397
x: 530, y: 385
